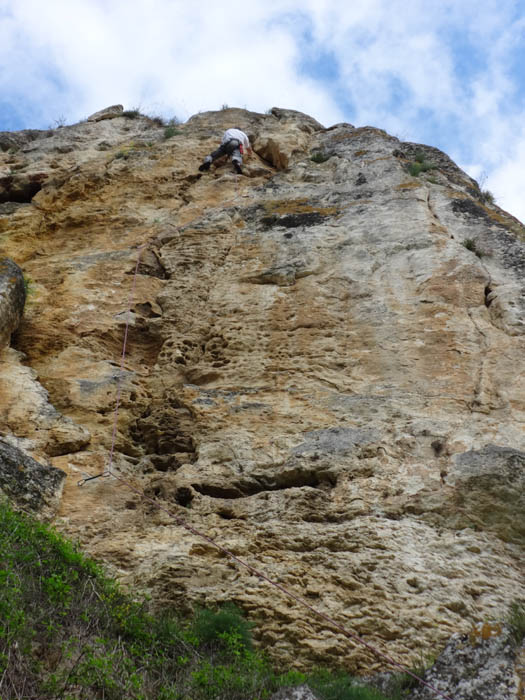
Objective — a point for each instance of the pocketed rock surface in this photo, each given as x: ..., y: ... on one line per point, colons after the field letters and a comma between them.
x: 323, y: 373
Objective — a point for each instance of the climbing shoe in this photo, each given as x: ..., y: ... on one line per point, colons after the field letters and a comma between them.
x: 237, y: 167
x: 204, y: 166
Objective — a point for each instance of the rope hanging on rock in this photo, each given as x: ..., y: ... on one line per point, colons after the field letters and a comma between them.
x: 131, y: 296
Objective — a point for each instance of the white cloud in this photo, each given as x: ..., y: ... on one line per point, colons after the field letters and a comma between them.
x: 439, y: 71
x: 506, y: 180
x: 189, y: 57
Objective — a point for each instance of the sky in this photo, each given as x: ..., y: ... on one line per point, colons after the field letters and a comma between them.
x: 446, y: 73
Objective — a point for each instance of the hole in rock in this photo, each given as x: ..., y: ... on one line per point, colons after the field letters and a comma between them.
x: 292, y: 479
x: 164, y: 463
x: 226, y: 515
x: 217, y: 491
x: 22, y: 193
x: 437, y: 446
x: 184, y: 496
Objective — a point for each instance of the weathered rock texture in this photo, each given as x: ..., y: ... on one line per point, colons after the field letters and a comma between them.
x: 482, y: 665
x: 301, y: 692
x: 321, y: 373
x: 33, y: 487
x: 12, y: 298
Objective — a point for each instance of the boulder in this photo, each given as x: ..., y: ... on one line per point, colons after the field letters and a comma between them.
x: 483, y: 665
x: 300, y: 692
x: 107, y: 113
x: 12, y: 298
x: 28, y: 484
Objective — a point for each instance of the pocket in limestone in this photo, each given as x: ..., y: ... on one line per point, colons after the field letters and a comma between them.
x: 164, y: 433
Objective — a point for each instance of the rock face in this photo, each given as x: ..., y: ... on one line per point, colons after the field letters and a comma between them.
x: 322, y: 373
x: 107, y: 113
x: 12, y: 298
x: 301, y: 692
x: 482, y: 665
x: 27, y: 484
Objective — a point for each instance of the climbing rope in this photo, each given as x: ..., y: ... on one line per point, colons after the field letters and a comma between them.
x: 197, y: 533
x: 131, y: 296
x: 290, y: 594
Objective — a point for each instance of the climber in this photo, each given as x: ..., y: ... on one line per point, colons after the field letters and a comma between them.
x: 234, y: 142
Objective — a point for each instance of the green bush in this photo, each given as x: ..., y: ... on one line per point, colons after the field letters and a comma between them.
x: 420, y: 167
x: 158, y: 120
x: 131, y: 113
x: 470, y: 244
x: 487, y: 197
x: 212, y: 627
x: 170, y: 131
x: 320, y: 157
x: 516, y: 620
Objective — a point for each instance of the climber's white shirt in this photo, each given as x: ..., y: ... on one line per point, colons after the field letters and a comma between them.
x: 230, y: 134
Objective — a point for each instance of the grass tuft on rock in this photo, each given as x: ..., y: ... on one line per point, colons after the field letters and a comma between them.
x: 131, y: 113
x: 516, y: 620
x: 320, y: 157
x: 470, y: 244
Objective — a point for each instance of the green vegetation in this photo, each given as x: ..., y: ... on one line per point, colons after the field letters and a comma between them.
x: 126, y: 151
x: 340, y: 686
x: 69, y: 631
x: 29, y: 287
x: 156, y: 120
x: 210, y: 626
x: 320, y: 157
x: 170, y: 131
x: 420, y: 165
x: 401, y: 684
x: 516, y: 620
x: 487, y: 197
x: 470, y: 244
x: 416, y: 168
x: 171, y: 128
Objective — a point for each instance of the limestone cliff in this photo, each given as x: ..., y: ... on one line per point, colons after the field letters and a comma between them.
x: 323, y: 371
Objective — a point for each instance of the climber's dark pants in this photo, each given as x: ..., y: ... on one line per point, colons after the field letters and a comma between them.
x: 230, y: 148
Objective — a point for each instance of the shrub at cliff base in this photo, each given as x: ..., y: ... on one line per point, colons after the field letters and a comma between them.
x: 68, y: 631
